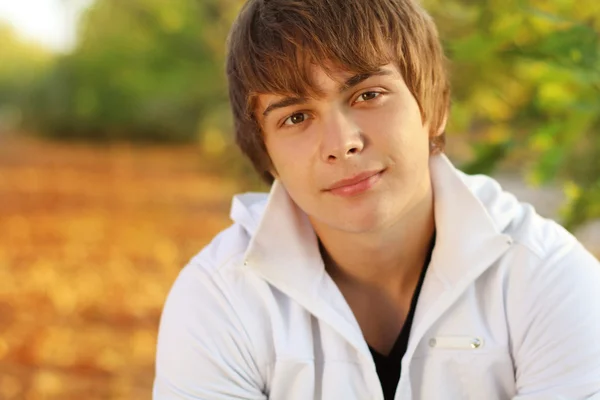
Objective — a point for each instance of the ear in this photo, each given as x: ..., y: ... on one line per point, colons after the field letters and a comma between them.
x: 442, y: 127
x: 437, y: 141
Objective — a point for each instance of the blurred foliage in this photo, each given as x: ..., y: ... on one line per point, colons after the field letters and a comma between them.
x: 21, y: 66
x: 526, y: 90
x: 526, y: 84
x: 142, y: 70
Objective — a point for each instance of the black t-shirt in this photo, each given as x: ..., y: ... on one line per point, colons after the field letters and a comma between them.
x: 388, y: 367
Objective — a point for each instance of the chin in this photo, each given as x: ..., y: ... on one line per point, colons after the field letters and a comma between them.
x: 355, y: 215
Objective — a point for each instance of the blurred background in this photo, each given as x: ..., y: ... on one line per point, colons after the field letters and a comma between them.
x: 117, y: 163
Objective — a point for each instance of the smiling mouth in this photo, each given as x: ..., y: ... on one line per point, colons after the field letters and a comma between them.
x: 355, y: 185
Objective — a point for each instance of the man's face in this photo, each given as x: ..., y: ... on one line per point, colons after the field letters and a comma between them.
x: 354, y: 160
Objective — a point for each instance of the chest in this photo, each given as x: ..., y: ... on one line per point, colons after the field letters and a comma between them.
x: 463, y: 354
x: 381, y: 317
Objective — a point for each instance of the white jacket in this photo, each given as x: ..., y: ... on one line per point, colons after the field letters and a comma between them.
x: 510, y: 308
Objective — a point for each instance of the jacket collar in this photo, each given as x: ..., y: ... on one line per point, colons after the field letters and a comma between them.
x: 470, y: 214
x: 284, y: 250
x: 467, y: 229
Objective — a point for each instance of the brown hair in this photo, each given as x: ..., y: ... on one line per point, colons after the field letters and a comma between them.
x: 273, y: 43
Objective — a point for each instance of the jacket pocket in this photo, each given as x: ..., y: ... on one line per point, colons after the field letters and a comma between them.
x: 461, y: 368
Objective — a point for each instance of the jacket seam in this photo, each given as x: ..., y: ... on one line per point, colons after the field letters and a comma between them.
x: 541, y: 257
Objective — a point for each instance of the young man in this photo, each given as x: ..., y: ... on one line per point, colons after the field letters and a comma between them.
x: 373, y: 269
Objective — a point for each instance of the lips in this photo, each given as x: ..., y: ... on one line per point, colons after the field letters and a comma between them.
x: 355, y: 184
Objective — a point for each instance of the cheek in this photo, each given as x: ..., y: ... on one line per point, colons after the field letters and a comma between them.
x: 398, y: 133
x: 288, y: 161
x: 289, y: 168
x: 400, y: 115
x: 291, y: 155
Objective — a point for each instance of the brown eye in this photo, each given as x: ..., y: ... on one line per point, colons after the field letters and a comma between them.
x: 366, y: 96
x: 295, y: 119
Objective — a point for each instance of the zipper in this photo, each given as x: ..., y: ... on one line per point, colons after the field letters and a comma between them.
x: 456, y: 342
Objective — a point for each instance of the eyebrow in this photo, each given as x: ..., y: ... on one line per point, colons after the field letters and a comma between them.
x: 286, y: 102
x: 348, y: 84
x: 356, y: 79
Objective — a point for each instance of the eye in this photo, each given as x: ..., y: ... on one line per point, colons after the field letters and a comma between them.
x: 366, y: 96
x: 295, y: 119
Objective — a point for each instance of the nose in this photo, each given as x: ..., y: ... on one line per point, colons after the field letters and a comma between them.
x: 342, y: 138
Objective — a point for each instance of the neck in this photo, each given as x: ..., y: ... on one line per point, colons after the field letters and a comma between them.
x: 391, y: 257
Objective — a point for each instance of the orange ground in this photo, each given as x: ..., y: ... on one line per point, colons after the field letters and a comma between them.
x: 91, y: 240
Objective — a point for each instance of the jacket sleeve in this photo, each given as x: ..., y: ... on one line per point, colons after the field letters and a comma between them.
x: 556, y: 342
x: 203, y: 350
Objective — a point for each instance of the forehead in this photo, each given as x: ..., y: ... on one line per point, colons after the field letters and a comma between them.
x: 326, y: 82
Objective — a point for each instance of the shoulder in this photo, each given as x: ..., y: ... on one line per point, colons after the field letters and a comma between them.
x: 211, y: 327
x: 552, y: 297
x: 546, y: 268
x: 215, y: 292
x: 222, y: 252
x: 542, y: 237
